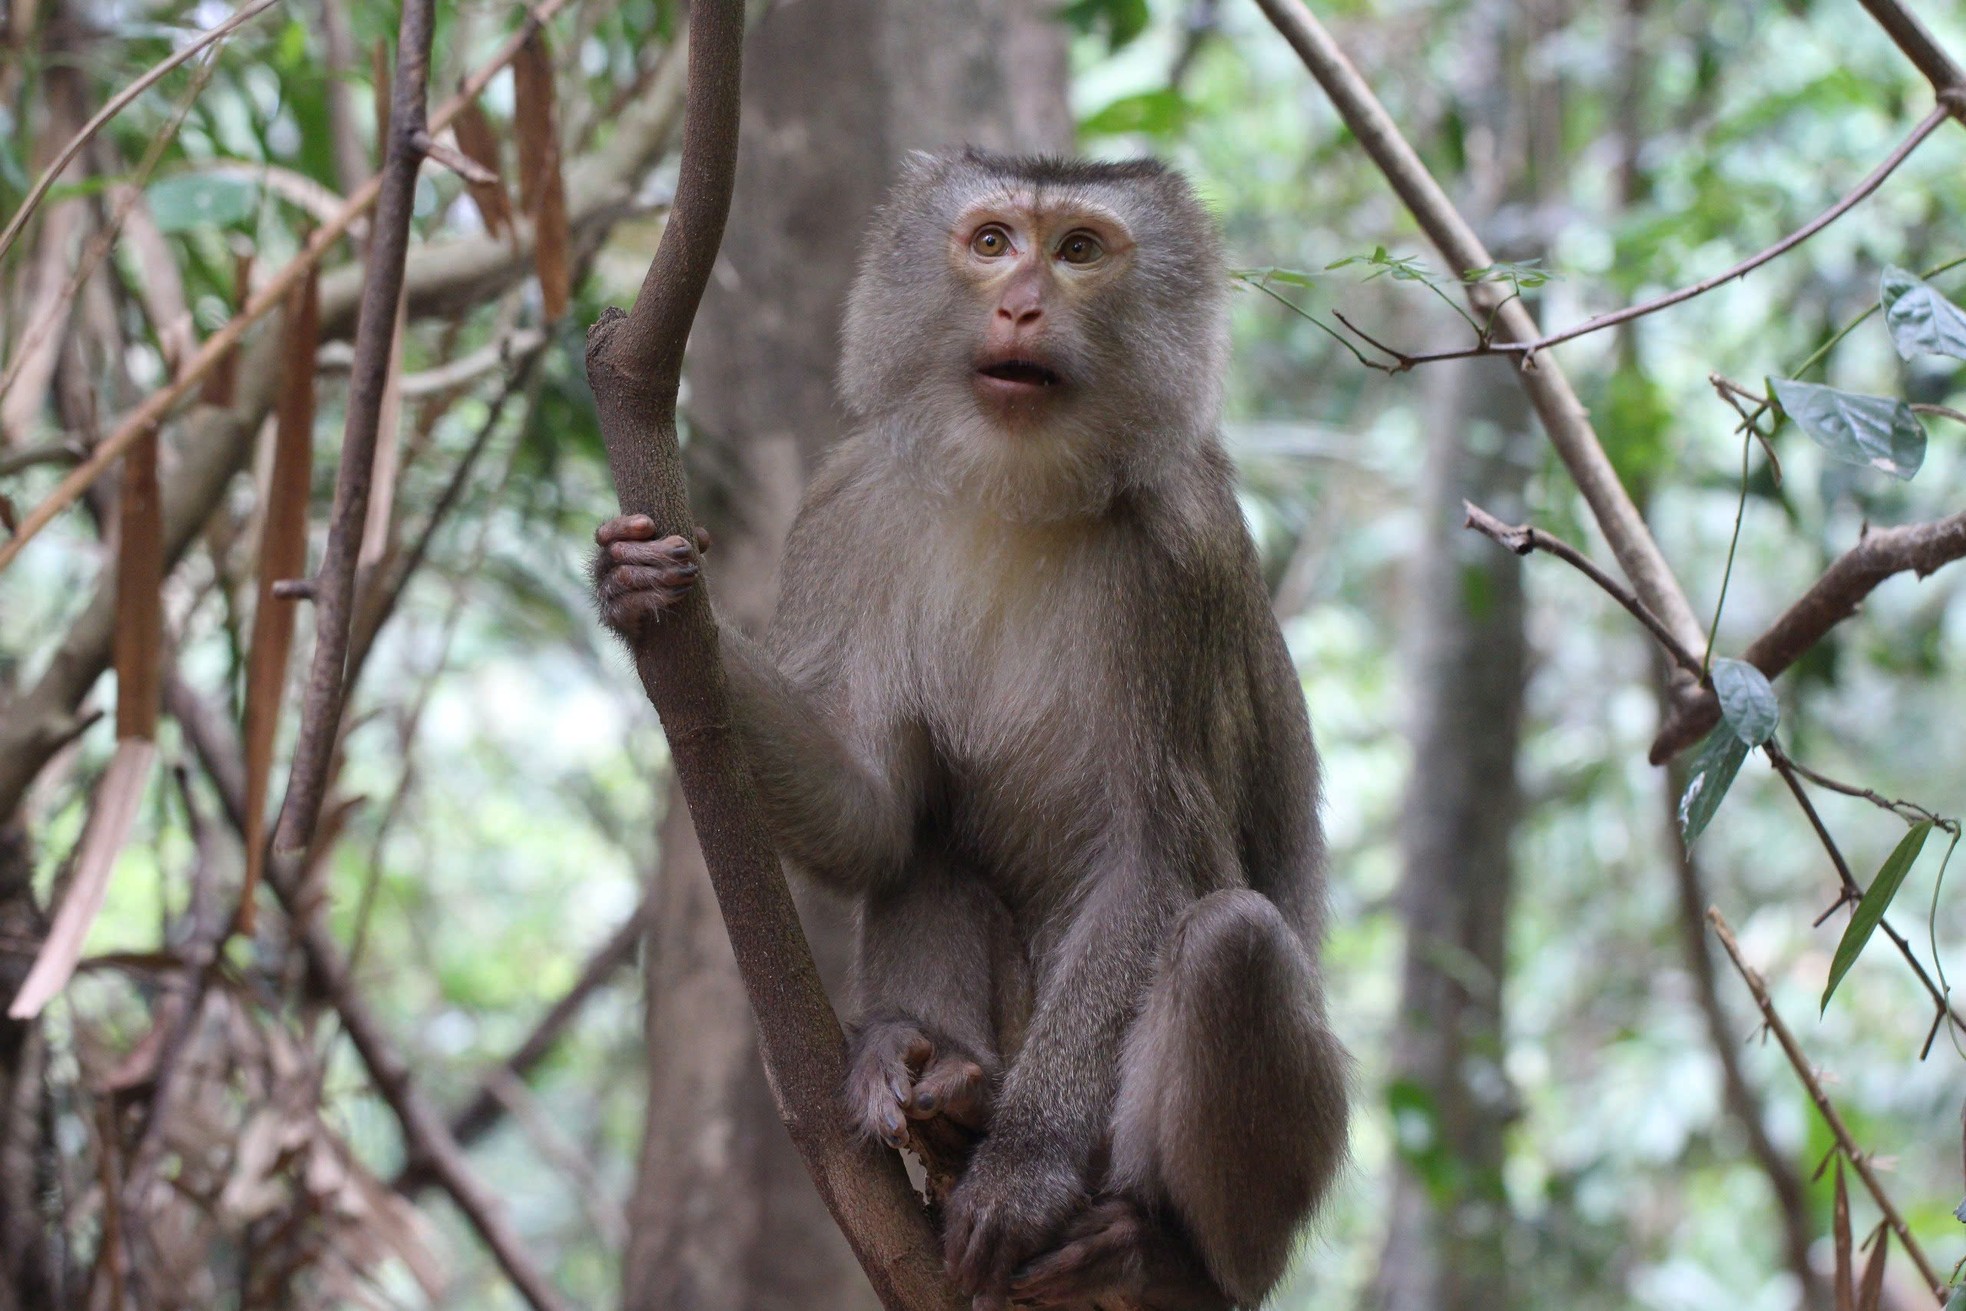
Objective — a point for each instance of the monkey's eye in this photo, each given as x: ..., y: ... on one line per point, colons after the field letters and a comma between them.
x: 990, y: 241
x: 1080, y: 248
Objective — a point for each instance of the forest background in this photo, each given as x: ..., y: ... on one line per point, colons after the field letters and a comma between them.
x: 486, y: 1046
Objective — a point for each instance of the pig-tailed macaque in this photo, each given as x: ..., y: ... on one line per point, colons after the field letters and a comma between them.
x: 1024, y: 701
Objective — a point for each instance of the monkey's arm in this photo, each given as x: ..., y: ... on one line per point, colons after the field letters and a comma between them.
x: 1281, y: 835
x: 841, y: 809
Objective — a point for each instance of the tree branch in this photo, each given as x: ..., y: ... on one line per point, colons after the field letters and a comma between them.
x: 1529, y: 348
x: 1833, y: 598
x: 1922, y: 49
x: 634, y: 362
x: 1523, y: 539
x: 1845, y: 1143
x: 486, y: 1107
x: 1564, y: 417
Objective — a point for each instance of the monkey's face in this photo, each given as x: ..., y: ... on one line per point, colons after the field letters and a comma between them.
x: 1033, y: 273
x: 1038, y: 332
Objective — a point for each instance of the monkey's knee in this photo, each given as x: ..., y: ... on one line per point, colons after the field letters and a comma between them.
x: 1233, y: 1101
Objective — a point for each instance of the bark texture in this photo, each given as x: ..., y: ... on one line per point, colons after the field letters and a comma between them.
x: 723, y: 1214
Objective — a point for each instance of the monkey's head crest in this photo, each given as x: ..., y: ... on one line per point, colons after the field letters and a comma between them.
x: 1040, y: 319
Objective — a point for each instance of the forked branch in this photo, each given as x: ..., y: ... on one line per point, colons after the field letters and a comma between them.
x: 634, y: 363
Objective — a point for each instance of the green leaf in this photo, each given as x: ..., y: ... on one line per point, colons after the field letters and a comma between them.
x: 1922, y: 322
x: 1956, y: 1300
x: 1747, y: 701
x: 1161, y: 113
x: 189, y: 200
x: 1713, y: 773
x: 1403, y: 268
x: 1879, y: 432
x: 1123, y: 20
x: 1520, y: 274
x: 1876, y: 900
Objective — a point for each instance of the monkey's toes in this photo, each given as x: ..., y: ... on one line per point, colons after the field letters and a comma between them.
x: 1098, y: 1255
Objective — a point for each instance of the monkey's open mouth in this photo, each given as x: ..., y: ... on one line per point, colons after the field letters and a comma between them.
x: 1024, y: 373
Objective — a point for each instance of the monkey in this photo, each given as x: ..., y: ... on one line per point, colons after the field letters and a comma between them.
x: 1024, y: 701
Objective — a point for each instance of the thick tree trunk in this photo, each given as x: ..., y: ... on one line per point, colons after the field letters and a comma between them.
x: 723, y: 1215
x: 1446, y: 1248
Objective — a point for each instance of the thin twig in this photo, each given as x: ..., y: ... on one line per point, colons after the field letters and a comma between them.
x: 1523, y: 539
x: 1851, y: 892
x: 375, y: 332
x: 116, y: 105
x: 1564, y: 418
x: 1909, y: 811
x: 1528, y: 350
x: 1845, y: 1143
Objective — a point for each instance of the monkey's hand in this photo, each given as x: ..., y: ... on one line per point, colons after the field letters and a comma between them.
x: 1019, y: 1192
x: 637, y: 578
x: 907, y: 1085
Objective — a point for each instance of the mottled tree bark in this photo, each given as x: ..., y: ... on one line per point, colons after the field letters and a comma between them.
x: 723, y: 1214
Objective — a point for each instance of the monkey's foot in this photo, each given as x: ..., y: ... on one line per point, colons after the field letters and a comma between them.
x: 637, y: 577
x: 907, y: 1088
x: 1115, y: 1254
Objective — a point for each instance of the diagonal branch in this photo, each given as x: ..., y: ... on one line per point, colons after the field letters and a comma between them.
x: 634, y: 362
x: 1831, y: 599
x: 1922, y: 49
x: 1563, y: 415
x: 1840, y: 1131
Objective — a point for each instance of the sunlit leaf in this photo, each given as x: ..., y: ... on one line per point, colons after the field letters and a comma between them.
x: 1922, y: 321
x: 1876, y: 900
x: 1747, y: 700
x: 1880, y: 432
x: 1122, y: 20
x: 1161, y: 113
x: 188, y: 201
x: 1712, y: 774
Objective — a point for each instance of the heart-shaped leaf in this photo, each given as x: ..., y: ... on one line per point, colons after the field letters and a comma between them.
x: 1922, y: 322
x: 1747, y: 701
x: 1713, y: 773
x: 1880, y: 432
x: 1876, y: 900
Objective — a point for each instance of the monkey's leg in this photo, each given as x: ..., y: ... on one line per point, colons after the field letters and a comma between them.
x: 925, y: 1053
x: 1230, y: 1119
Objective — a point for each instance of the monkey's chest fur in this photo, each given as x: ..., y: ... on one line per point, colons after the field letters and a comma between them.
x: 1036, y: 662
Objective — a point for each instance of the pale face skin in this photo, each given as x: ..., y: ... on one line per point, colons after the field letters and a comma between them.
x: 1032, y: 264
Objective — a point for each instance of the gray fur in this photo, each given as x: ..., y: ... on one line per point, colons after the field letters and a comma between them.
x: 1024, y: 700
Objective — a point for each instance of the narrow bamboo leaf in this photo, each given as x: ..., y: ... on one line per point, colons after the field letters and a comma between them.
x: 282, y: 554
x: 139, y: 594
x: 1876, y: 900
x: 542, y: 192
x: 1747, y: 700
x: 1879, y: 432
x: 108, y: 829
x: 1844, y: 1279
x: 1956, y: 1300
x: 186, y: 202
x: 477, y: 139
x: 1922, y: 322
x: 1870, y: 1297
x: 1713, y: 773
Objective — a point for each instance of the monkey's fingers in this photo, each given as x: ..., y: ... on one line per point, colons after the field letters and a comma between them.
x: 626, y: 528
x: 881, y: 1079
x: 954, y: 1088
x: 667, y: 553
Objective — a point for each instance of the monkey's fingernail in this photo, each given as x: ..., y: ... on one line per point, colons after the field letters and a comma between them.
x: 925, y: 1102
